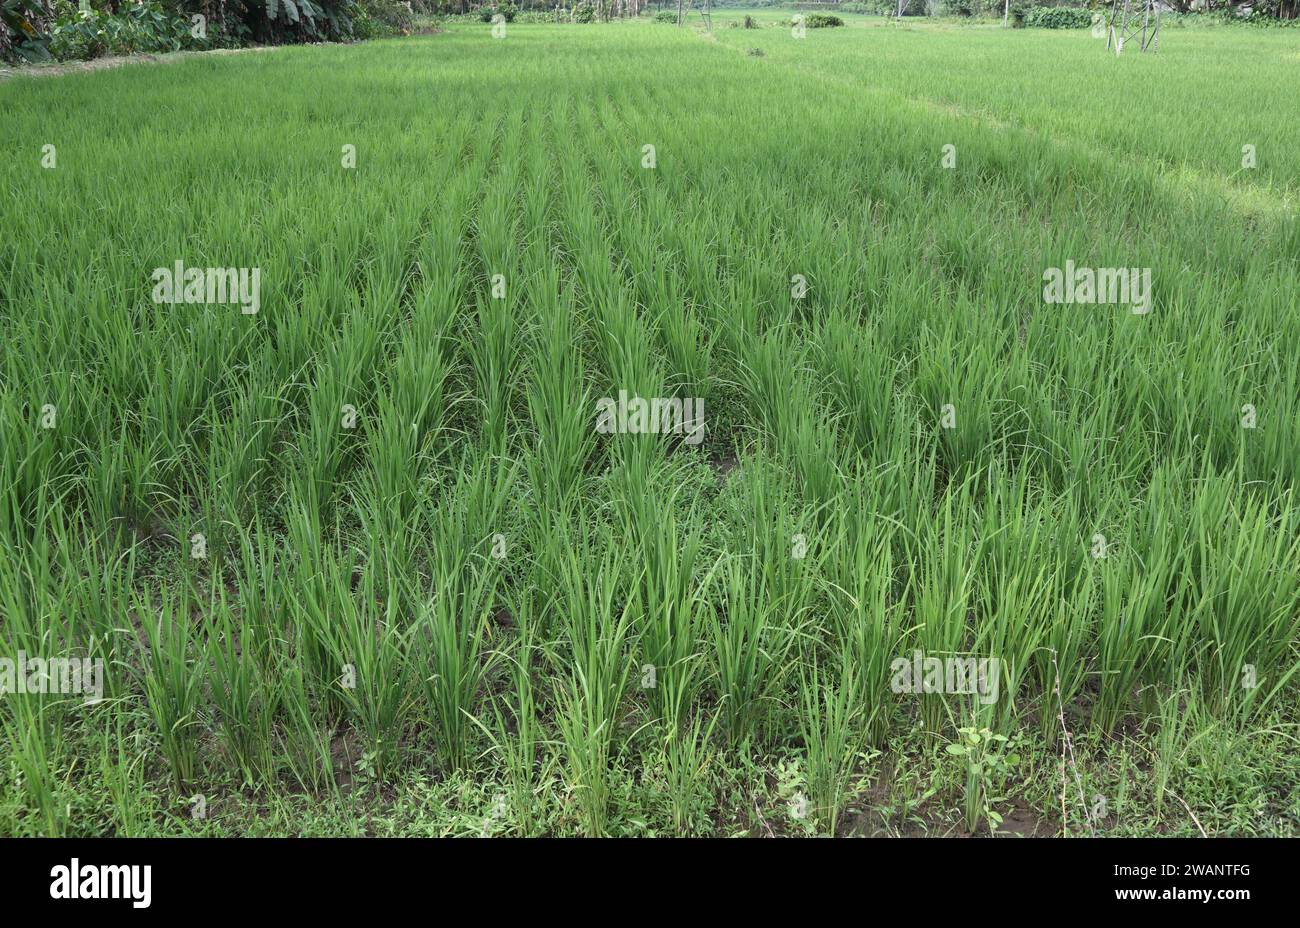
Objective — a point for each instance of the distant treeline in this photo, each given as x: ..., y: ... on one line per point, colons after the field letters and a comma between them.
x: 1218, y: 9
x: 37, y: 30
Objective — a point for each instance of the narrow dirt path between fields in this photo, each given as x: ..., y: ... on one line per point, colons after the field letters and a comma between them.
x: 116, y: 61
x: 57, y: 69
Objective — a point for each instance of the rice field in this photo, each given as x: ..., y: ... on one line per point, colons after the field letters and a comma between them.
x: 605, y: 430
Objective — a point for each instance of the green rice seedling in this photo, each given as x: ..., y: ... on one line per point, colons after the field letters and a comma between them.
x: 595, y: 671
x: 860, y: 378
x: 241, y: 696
x: 23, y: 591
x: 687, y: 748
x: 303, y: 736
x: 1135, y: 604
x: 121, y: 477
x: 865, y: 615
x: 334, y: 409
x: 1246, y: 562
x: 1170, y: 744
x: 455, y: 613
x: 25, y: 467
x: 122, y: 760
x: 750, y: 644
x: 684, y: 342
x: 1067, y: 637
x: 454, y: 656
x: 494, y: 353
x: 403, y: 438
x: 670, y: 622
x: 792, y: 415
x: 944, y: 553
x: 257, y: 578
x: 517, y: 734
x: 240, y: 448
x: 672, y: 601
x: 786, y: 538
x: 1017, y: 586
x: 306, y: 619
x: 1219, y: 761
x: 33, y: 729
x: 586, y: 732
x: 172, y: 678
x: 559, y: 407
x: 96, y: 604
x: 1129, y: 600
x: 832, y: 727
x: 368, y: 642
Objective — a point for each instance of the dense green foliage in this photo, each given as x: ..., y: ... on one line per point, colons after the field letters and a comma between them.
x: 144, y: 27
x: 379, y: 18
x: 63, y: 30
x: 488, y: 11
x: 470, y: 611
x: 24, y: 28
x: 1058, y: 17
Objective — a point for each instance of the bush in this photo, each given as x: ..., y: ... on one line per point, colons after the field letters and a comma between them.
x: 751, y: 23
x: 666, y: 16
x: 28, y: 27
x: 586, y: 14
x: 1228, y: 18
x: 991, y: 9
x: 24, y: 27
x: 295, y: 20
x: 873, y: 7
x: 1058, y: 17
x: 822, y: 21
x: 377, y: 18
x: 144, y: 27
x: 507, y: 11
